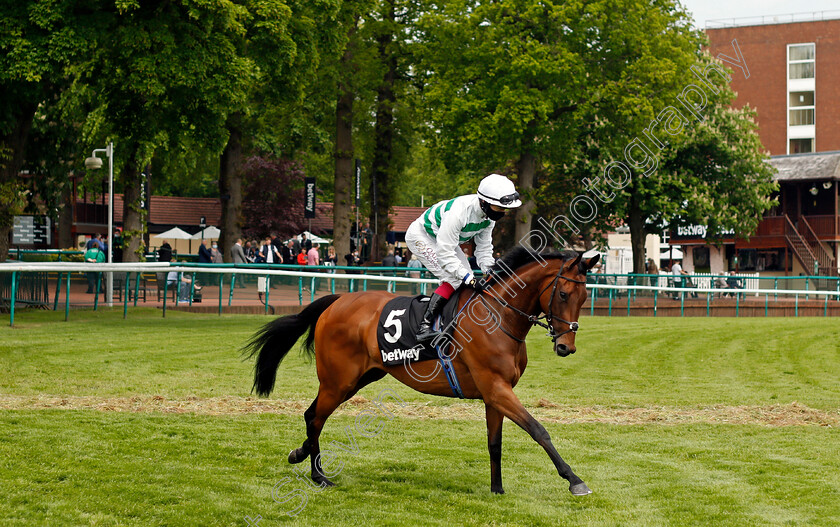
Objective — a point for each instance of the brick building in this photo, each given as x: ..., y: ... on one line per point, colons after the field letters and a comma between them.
x: 794, y: 86
x: 794, y: 81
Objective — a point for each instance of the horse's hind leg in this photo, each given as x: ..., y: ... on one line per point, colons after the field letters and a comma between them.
x: 325, y: 404
x: 299, y: 454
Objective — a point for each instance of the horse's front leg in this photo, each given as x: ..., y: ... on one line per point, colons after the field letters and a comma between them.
x: 505, y: 401
x: 494, y: 444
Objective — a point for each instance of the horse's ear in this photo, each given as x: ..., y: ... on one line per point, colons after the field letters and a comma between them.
x: 571, y: 265
x: 589, y: 263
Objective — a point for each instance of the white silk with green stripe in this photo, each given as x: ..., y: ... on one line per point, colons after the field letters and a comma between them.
x: 452, y: 222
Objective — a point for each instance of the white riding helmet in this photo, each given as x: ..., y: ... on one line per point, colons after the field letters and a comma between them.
x: 496, y: 189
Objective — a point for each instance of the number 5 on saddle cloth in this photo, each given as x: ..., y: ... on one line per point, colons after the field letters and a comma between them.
x: 395, y: 333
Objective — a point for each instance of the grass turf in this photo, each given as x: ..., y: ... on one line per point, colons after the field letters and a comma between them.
x: 629, y: 362
x: 97, y: 468
x: 82, y: 467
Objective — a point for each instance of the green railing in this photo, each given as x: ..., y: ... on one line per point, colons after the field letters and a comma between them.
x: 33, y: 283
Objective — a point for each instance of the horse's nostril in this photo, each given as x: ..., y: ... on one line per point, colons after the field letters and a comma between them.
x: 563, y: 349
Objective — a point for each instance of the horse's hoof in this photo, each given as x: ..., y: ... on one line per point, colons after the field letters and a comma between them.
x: 297, y: 455
x: 499, y: 490
x: 323, y: 482
x: 580, y: 489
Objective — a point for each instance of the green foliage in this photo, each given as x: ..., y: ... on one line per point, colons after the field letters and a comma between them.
x: 426, y: 175
x: 12, y: 201
x: 500, y: 79
x: 477, y: 85
x: 720, y: 173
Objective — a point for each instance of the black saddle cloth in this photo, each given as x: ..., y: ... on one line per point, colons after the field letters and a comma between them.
x: 397, y: 329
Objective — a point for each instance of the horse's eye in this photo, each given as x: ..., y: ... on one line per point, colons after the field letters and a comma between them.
x: 563, y: 296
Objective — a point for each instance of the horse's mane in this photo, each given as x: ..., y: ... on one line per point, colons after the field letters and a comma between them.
x: 520, y: 256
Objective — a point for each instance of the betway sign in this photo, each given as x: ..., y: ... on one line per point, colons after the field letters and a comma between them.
x: 699, y: 231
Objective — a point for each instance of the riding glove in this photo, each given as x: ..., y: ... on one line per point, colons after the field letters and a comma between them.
x: 471, y: 281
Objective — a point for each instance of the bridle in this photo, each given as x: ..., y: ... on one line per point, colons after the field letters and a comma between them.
x: 545, y: 319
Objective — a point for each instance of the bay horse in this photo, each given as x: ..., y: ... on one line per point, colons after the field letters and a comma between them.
x: 526, y: 288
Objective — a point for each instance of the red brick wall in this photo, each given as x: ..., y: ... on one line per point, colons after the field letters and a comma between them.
x: 765, y: 51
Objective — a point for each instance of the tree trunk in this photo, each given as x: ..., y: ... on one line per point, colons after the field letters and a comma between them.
x: 65, y: 216
x: 526, y: 169
x: 134, y: 217
x: 586, y: 236
x: 15, y: 141
x: 636, y: 221
x: 342, y: 210
x: 230, y: 187
x: 382, y: 167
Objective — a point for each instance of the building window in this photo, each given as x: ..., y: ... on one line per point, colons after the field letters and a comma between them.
x: 801, y: 98
x: 802, y: 71
x: 801, y: 61
x: 801, y: 108
x: 801, y: 53
x: 801, y: 117
x: 801, y: 146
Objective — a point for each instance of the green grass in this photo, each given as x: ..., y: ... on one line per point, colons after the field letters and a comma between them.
x: 633, y: 362
x: 86, y: 467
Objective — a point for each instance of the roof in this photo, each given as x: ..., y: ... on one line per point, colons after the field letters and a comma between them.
x: 169, y: 211
x: 806, y: 167
x: 402, y: 217
x: 764, y: 20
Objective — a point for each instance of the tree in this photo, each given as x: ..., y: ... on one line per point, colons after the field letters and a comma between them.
x: 720, y: 175
x: 284, y: 41
x: 501, y: 86
x: 39, y: 41
x: 173, y: 72
x: 272, y: 198
x: 391, y: 28
x: 658, y: 145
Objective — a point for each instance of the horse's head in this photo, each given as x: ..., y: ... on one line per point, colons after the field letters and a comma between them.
x: 561, y: 299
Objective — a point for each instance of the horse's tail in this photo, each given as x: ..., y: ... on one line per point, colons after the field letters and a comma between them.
x: 273, y: 341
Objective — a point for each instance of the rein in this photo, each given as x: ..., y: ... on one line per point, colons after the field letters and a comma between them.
x: 545, y: 319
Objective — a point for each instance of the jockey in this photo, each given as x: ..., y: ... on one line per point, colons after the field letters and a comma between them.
x: 435, y: 237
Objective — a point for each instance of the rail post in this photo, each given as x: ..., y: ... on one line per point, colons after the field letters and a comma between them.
x: 96, y: 293
x: 192, y: 288
x: 57, y: 291
x: 267, y: 288
x: 125, y: 299
x: 221, y: 291
x: 14, y: 294
x: 67, y: 300
x: 165, y: 293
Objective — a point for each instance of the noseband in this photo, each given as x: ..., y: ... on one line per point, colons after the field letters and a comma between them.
x: 545, y: 320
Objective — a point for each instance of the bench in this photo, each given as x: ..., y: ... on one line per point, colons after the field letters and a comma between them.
x: 119, y: 286
x: 160, y: 281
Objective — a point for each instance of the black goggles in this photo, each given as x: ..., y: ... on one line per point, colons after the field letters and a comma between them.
x: 505, y: 200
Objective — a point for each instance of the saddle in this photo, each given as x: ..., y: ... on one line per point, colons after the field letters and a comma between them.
x: 397, y: 327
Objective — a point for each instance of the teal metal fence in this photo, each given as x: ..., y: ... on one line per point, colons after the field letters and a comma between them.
x: 46, y: 283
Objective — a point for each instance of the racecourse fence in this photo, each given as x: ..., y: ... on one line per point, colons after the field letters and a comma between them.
x: 263, y: 287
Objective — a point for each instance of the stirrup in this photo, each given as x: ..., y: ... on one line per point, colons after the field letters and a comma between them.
x: 427, y: 336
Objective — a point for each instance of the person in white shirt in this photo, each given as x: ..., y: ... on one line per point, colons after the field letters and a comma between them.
x: 677, y: 271
x: 435, y: 237
x: 174, y: 277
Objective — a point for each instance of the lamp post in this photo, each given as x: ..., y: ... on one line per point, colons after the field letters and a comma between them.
x: 94, y: 163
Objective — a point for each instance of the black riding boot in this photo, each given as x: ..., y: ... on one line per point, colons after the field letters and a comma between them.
x: 425, y: 332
